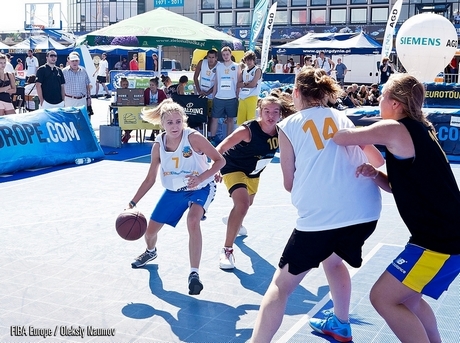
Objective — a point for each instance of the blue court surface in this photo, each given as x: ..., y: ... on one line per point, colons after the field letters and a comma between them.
x: 66, y: 275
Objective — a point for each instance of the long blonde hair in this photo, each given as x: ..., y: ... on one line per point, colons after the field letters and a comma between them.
x: 158, y: 114
x: 410, y: 93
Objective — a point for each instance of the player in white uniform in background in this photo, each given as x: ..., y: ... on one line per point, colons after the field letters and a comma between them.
x: 337, y: 210
x: 205, y: 77
x: 225, y: 94
x: 181, y: 154
x: 249, y: 85
x: 205, y: 74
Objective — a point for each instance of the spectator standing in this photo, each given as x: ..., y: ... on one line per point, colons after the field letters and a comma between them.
x: 31, y: 64
x: 9, y: 67
x: 386, y: 69
x: 155, y: 63
x: 341, y: 70
x: 324, y: 63
x: 225, y: 103
x: 50, y: 83
x: 124, y: 63
x: 307, y: 62
x: 7, y: 88
x: 19, y: 65
x: 279, y: 67
x: 77, y: 83
x: 453, y: 70
x: 30, y: 92
x: 134, y: 64
x: 457, y: 18
x: 289, y: 66
x: 102, y: 72
x: 117, y: 65
x: 297, y: 68
x: 271, y: 65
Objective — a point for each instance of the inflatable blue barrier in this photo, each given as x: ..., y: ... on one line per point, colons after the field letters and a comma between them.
x: 46, y: 138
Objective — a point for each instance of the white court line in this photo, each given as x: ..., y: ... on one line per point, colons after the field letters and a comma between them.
x: 135, y: 158
x: 304, y: 320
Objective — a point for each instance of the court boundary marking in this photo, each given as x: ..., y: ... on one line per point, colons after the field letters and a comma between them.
x: 353, y: 271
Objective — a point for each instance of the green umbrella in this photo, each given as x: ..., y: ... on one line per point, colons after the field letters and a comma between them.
x: 161, y: 27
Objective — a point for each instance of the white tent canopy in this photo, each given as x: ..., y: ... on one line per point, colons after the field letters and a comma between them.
x: 4, y: 47
x: 40, y: 43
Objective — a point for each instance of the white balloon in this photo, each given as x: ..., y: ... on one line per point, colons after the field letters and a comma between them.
x: 425, y: 45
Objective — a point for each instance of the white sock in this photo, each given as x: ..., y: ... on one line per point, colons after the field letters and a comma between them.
x: 194, y: 270
x: 151, y: 250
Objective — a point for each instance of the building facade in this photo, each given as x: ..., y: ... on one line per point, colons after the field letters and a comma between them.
x: 294, y: 18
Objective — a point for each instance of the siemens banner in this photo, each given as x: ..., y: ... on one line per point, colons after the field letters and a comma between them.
x: 46, y: 138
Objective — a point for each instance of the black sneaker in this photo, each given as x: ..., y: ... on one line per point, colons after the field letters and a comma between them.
x: 194, y: 284
x: 144, y: 258
x: 108, y: 96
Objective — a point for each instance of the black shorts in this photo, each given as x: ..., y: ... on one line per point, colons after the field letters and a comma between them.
x: 101, y: 79
x: 306, y: 250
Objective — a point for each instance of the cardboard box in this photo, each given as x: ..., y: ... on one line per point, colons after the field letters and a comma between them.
x: 130, y: 97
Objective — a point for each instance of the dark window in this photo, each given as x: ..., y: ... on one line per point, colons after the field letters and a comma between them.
x: 207, y: 4
x: 225, y: 3
x: 243, y: 3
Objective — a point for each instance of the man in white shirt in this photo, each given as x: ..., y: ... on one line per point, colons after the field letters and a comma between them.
x: 102, y: 72
x: 31, y: 64
x: 77, y: 84
x: 324, y: 63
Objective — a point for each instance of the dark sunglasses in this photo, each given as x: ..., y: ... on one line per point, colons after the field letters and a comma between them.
x: 52, y: 55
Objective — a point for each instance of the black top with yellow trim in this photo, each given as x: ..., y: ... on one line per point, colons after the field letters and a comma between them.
x: 251, y: 158
x: 426, y: 192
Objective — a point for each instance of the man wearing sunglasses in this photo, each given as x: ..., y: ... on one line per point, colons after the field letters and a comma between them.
x: 50, y: 83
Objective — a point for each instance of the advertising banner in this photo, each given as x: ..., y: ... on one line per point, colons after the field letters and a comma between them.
x: 387, y: 45
x: 267, y: 36
x: 258, y: 21
x: 46, y: 138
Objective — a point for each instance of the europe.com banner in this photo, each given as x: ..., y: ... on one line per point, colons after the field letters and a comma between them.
x: 46, y: 138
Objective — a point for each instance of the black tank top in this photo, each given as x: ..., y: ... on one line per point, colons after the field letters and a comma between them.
x: 247, y: 157
x: 426, y: 193
x: 6, y: 97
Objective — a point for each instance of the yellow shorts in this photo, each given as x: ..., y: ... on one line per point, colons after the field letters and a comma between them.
x: 239, y: 179
x: 246, y: 109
